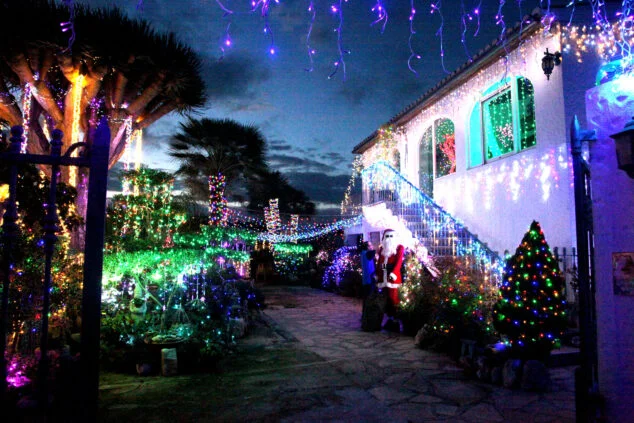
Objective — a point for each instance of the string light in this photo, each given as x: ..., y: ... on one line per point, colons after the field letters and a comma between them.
x: 78, y: 89
x: 531, y: 312
x: 308, y: 234
x: 436, y: 7
x: 217, y: 200
x: 381, y: 14
x: 309, y: 49
x: 412, y: 53
x: 340, y: 62
x: 347, y: 207
x: 27, y: 97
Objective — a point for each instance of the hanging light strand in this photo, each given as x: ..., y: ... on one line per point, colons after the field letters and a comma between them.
x: 412, y: 32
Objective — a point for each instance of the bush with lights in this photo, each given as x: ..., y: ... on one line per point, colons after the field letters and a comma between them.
x: 291, y: 261
x: 456, y: 304
x: 531, y: 313
x: 28, y: 257
x: 163, y: 286
x: 344, y: 273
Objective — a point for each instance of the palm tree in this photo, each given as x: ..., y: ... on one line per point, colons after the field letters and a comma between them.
x: 214, y: 155
x: 116, y: 67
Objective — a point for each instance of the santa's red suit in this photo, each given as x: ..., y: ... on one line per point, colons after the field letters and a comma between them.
x: 388, y: 276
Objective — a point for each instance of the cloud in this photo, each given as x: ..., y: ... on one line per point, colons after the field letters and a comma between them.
x: 334, y: 158
x: 236, y: 76
x: 329, y: 189
x: 288, y: 164
x: 279, y: 145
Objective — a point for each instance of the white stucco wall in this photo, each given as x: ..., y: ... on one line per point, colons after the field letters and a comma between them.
x: 498, y: 201
x: 608, y: 108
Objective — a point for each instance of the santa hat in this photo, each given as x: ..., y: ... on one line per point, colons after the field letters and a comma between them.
x: 387, y: 231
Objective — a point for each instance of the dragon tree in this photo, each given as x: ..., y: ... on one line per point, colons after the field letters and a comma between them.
x: 104, y: 64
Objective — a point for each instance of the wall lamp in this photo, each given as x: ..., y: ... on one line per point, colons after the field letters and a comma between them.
x: 549, y: 61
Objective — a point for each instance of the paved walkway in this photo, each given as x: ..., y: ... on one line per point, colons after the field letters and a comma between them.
x: 384, y: 377
x: 310, y: 362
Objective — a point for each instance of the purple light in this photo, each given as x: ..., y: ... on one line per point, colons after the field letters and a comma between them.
x: 311, y: 51
x: 381, y: 15
x: 412, y: 53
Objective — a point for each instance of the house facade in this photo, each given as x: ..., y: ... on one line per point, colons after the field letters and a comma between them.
x: 489, y: 144
x: 489, y: 147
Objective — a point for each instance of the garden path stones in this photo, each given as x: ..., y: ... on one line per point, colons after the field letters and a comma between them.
x: 308, y: 360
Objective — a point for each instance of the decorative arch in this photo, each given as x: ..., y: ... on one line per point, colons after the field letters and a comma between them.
x: 437, y: 153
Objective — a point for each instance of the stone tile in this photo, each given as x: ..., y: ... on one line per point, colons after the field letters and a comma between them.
x: 426, y: 399
x: 446, y: 409
x: 390, y: 395
x: 482, y: 413
x: 459, y: 393
x: 410, y: 413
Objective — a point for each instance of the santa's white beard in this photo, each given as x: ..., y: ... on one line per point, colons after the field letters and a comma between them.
x: 390, y: 246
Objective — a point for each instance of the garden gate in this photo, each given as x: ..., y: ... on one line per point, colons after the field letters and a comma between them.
x: 586, y: 376
x: 94, y: 157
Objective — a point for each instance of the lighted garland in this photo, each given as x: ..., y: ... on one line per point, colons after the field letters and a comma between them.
x: 347, y: 208
x: 311, y: 234
x: 26, y: 112
x: 381, y: 176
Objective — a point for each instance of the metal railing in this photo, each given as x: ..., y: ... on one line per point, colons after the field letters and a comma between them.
x: 435, y: 228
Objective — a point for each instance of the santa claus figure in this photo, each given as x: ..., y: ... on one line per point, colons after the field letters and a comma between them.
x: 388, y: 275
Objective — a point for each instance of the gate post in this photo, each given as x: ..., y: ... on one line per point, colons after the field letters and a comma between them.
x: 93, y: 266
x: 586, y: 376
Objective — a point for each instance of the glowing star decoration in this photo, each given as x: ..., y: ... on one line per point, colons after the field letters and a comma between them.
x: 78, y: 89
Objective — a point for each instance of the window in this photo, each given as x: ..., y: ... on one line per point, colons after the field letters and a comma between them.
x: 437, y: 154
x: 503, y: 122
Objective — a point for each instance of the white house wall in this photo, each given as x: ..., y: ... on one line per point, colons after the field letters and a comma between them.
x: 609, y: 107
x: 498, y: 200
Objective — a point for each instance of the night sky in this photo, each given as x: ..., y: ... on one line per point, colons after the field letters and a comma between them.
x: 312, y: 122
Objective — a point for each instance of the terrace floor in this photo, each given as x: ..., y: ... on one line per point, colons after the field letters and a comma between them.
x: 308, y: 360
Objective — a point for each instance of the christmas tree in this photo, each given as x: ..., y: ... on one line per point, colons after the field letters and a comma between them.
x: 531, y: 309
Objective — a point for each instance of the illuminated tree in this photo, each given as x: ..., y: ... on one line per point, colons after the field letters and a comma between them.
x: 115, y: 67
x: 147, y: 216
x: 531, y: 311
x: 214, y: 154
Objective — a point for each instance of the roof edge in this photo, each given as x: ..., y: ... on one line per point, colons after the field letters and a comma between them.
x: 482, y: 59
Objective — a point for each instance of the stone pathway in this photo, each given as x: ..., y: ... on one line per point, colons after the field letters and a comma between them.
x: 309, y: 361
x: 384, y: 377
